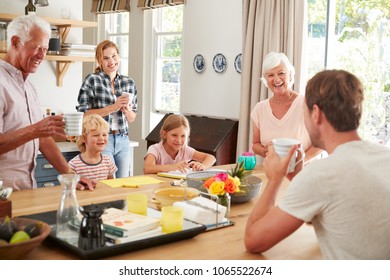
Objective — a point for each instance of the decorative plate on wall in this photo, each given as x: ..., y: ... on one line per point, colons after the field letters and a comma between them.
x: 219, y: 63
x: 237, y: 63
x: 199, y: 63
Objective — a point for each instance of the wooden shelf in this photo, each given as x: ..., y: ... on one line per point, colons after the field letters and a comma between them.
x: 64, y: 26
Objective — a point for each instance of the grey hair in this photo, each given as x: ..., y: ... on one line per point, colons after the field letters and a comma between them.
x: 273, y: 60
x: 21, y: 26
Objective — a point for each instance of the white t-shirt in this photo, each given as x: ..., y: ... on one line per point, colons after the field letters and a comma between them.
x: 346, y: 196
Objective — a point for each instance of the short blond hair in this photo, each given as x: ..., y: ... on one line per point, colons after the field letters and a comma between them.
x: 90, y: 123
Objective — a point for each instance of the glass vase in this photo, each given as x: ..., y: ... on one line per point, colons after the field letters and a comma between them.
x: 225, y: 200
x: 68, y: 213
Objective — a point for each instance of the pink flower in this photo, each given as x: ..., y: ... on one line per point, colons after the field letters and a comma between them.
x: 221, y: 177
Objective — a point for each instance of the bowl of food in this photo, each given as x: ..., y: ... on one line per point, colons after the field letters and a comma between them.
x: 166, y: 196
x: 19, y: 236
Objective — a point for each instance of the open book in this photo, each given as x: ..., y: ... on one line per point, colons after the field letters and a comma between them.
x: 177, y: 174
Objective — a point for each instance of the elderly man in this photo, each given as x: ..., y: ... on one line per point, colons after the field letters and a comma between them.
x: 345, y: 196
x: 22, y: 130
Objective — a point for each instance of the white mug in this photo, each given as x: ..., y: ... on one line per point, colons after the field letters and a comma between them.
x: 129, y: 95
x: 282, y: 147
x: 73, y: 123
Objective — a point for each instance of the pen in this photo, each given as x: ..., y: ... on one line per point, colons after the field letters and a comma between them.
x: 129, y: 186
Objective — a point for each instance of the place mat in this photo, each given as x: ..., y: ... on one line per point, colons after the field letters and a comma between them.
x: 131, y: 182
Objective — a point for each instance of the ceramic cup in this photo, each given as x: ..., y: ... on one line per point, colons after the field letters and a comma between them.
x: 283, y: 145
x: 171, y: 219
x: 73, y: 123
x: 129, y: 95
x: 137, y: 203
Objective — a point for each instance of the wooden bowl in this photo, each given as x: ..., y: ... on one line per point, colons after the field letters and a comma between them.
x: 19, y: 250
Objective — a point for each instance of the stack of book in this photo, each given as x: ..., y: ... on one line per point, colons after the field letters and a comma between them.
x: 121, y: 226
x: 70, y: 49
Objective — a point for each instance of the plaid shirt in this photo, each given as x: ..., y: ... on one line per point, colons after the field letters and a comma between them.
x: 96, y: 93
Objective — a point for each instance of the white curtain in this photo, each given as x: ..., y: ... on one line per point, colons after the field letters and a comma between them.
x: 268, y: 25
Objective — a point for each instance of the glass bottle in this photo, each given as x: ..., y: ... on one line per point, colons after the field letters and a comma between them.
x: 30, y: 8
x: 68, y: 214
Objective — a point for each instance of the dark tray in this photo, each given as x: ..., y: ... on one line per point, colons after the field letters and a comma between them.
x: 50, y: 218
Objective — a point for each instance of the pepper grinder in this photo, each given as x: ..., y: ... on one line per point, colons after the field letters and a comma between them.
x: 91, y: 228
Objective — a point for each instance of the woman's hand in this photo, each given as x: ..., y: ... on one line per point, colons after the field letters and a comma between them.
x: 260, y: 149
x: 122, y: 102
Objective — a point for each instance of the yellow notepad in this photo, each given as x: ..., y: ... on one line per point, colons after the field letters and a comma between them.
x: 131, y: 182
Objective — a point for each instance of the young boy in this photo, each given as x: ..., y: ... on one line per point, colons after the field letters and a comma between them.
x: 91, y: 163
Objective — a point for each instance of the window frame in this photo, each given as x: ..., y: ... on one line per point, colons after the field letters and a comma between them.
x: 105, y: 34
x: 156, y: 16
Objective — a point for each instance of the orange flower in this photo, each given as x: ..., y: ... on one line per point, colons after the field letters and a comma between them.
x: 222, y: 183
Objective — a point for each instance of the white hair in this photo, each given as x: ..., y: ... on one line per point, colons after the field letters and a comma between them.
x: 273, y: 60
x: 21, y: 26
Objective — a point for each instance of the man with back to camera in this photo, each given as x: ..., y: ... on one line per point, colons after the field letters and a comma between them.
x: 345, y: 196
x: 22, y: 130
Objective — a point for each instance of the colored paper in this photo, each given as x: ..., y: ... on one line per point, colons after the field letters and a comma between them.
x: 131, y: 182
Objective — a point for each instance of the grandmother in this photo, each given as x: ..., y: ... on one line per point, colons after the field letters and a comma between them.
x: 282, y: 114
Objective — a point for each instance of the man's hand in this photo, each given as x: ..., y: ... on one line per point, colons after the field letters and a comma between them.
x: 86, y: 184
x: 276, y: 167
x: 50, y: 126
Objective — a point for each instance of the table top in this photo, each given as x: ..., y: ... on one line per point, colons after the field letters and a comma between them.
x: 223, y: 243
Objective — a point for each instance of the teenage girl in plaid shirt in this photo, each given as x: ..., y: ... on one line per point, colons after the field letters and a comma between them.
x: 104, y: 93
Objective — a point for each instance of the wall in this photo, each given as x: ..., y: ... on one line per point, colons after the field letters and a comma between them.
x: 59, y: 99
x: 212, y: 27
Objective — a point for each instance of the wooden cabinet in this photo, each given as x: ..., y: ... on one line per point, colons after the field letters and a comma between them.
x: 46, y: 174
x: 210, y: 135
x: 64, y: 26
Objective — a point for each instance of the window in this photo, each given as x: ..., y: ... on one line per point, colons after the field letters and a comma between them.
x: 167, y: 38
x: 116, y: 29
x: 353, y: 35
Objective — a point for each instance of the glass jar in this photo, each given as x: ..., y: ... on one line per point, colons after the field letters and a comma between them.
x: 68, y: 213
x: 54, y: 42
x: 3, y: 36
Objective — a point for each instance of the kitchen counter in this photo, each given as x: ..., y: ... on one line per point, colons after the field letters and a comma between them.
x: 72, y: 147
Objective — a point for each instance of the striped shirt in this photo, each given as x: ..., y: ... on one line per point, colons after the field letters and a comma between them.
x: 98, y: 171
x: 96, y: 93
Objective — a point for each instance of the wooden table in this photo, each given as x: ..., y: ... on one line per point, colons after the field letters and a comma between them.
x: 224, y: 243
